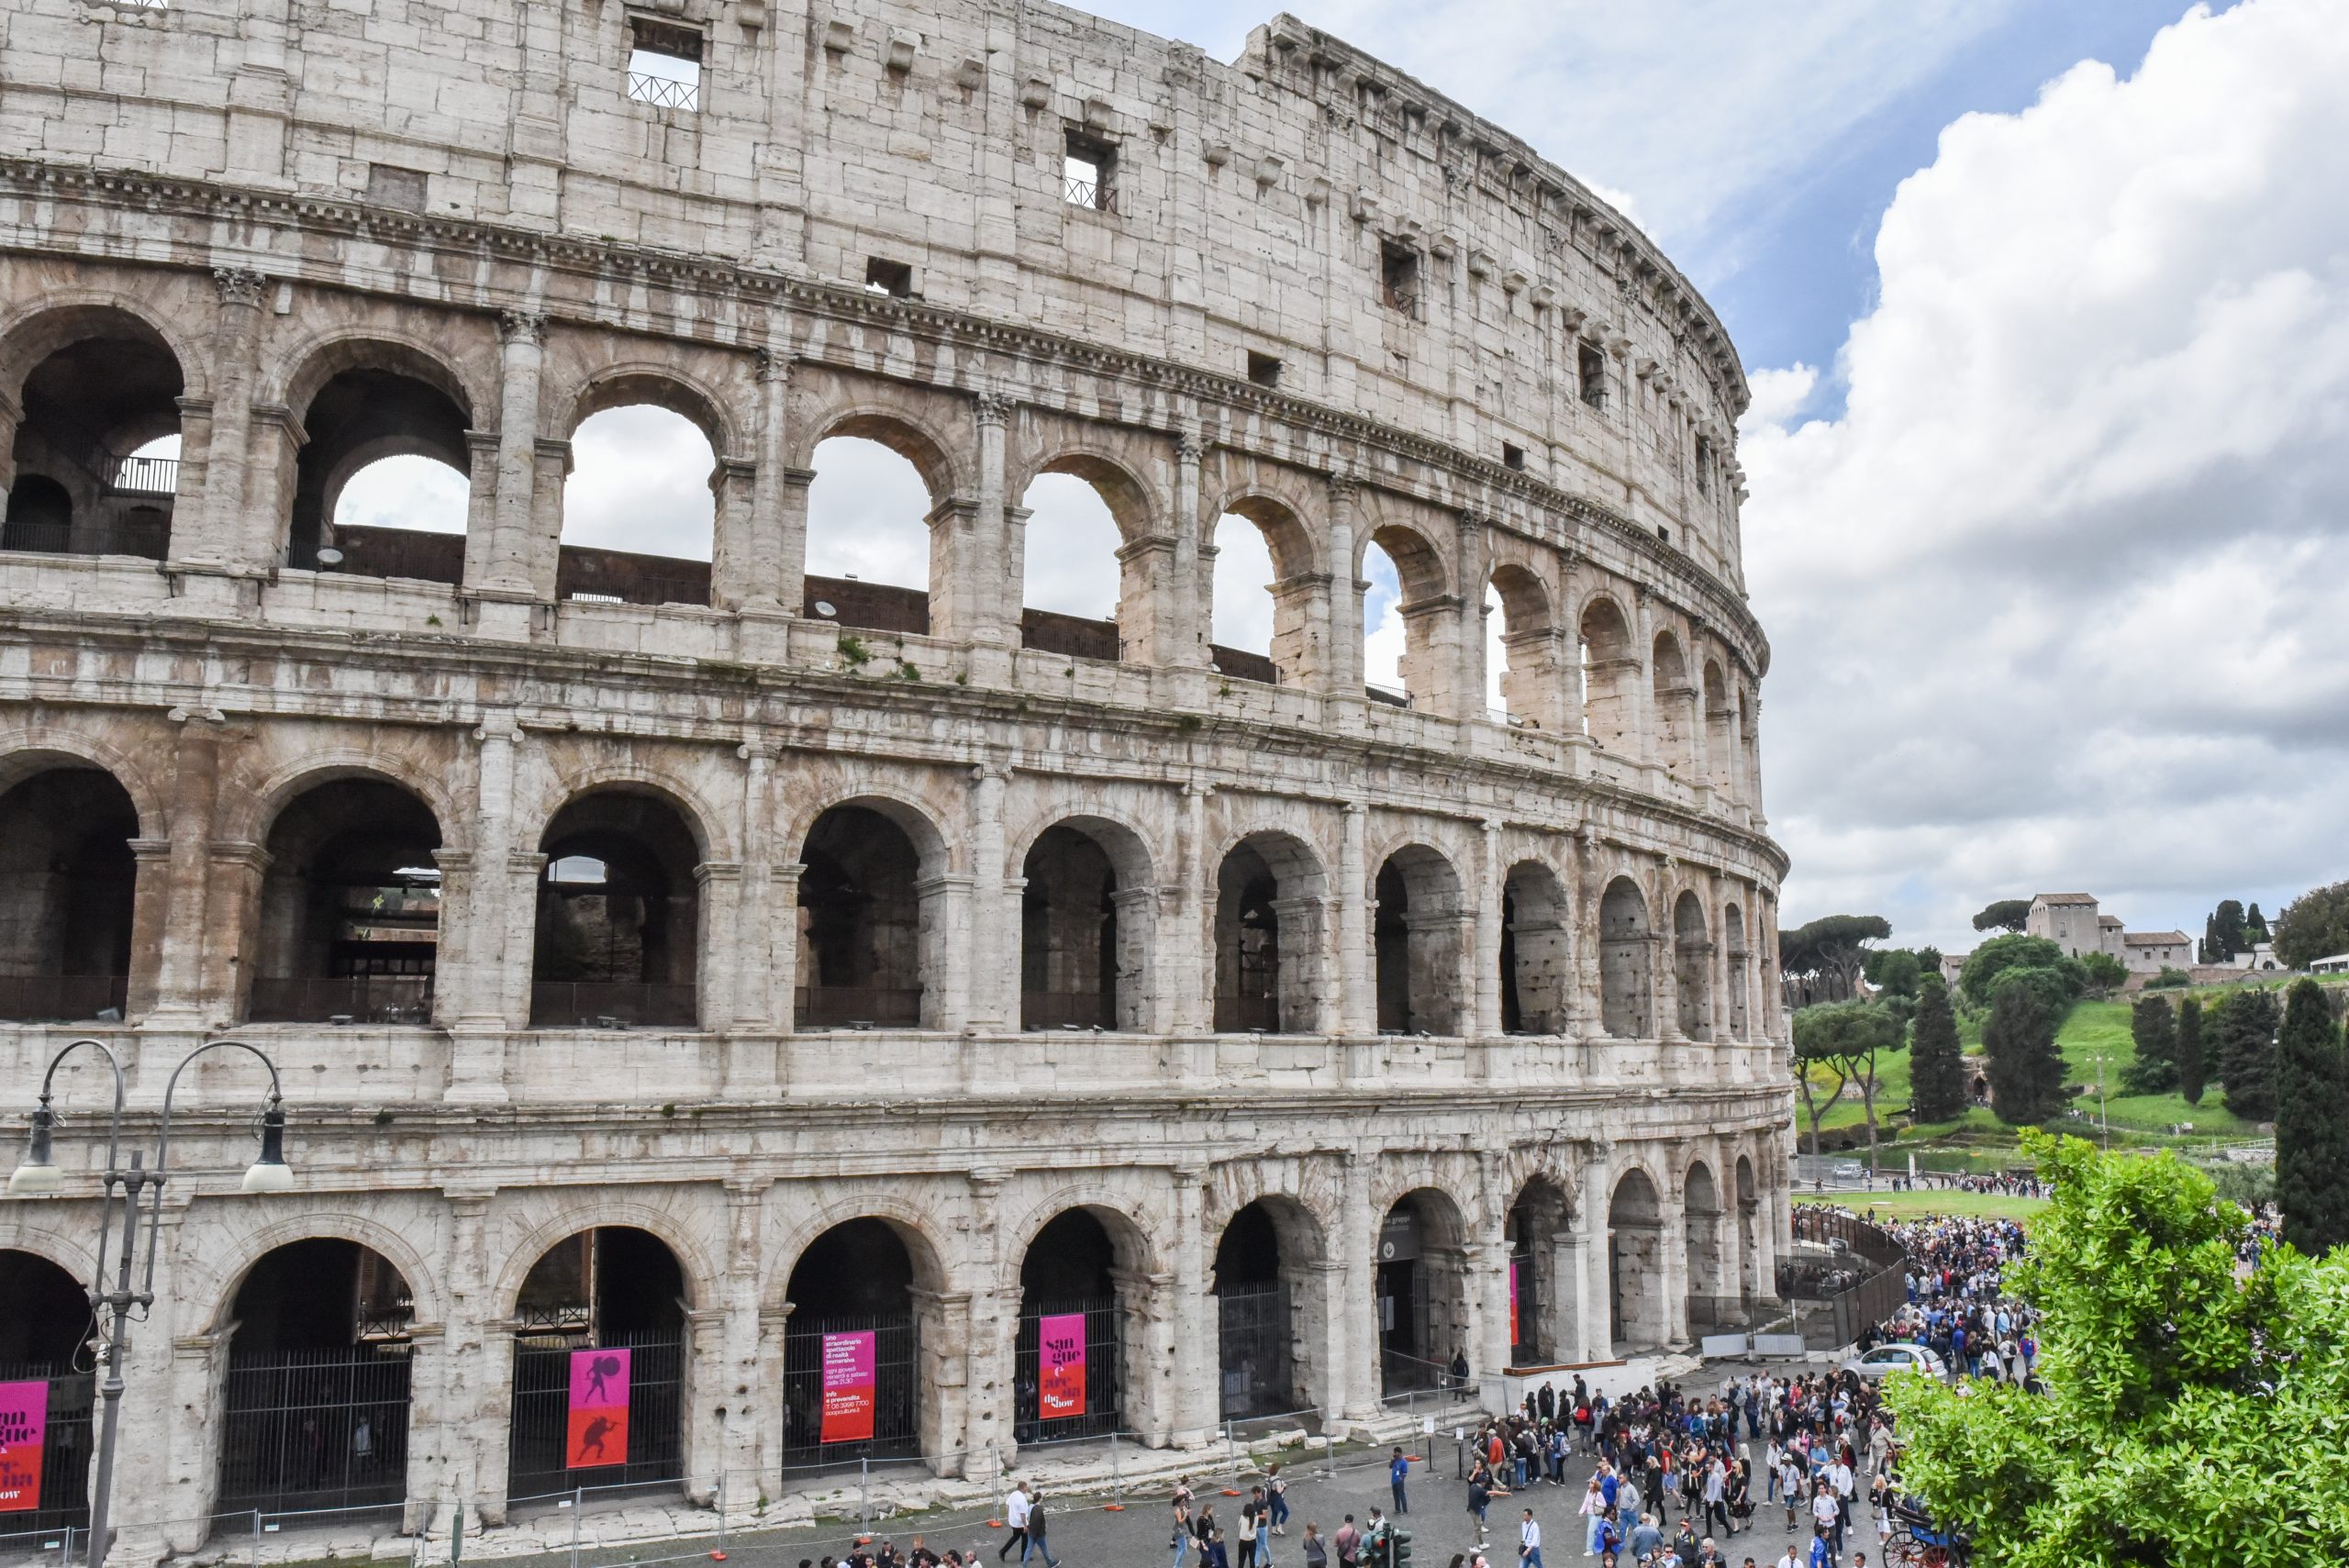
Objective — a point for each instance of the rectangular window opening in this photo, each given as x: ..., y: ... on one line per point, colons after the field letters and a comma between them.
x: 1704, y: 465
x: 1591, y: 372
x: 664, y: 64
x: 1513, y: 456
x: 895, y: 279
x: 1265, y: 370
x: 1399, y: 276
x: 1089, y: 173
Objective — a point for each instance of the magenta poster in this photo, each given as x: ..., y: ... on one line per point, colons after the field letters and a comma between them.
x: 848, y: 1388
x: 1060, y: 1366
x: 598, y: 1425
x: 24, y: 1429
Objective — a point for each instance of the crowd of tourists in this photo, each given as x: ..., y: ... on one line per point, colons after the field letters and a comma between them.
x: 2016, y: 1185
x: 1958, y: 1305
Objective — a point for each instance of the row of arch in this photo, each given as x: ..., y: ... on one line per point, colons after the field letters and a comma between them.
x: 376, y: 454
x: 314, y: 1341
x: 348, y: 916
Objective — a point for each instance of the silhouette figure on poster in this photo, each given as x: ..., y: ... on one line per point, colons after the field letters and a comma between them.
x: 599, y: 1369
x: 592, y: 1438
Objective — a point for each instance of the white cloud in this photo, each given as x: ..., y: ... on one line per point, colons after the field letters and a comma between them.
x: 640, y: 481
x: 867, y: 514
x: 2053, y: 601
x: 1242, y: 616
x: 1072, y: 549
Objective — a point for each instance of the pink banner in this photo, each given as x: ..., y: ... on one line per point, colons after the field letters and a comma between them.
x: 1060, y: 1365
x: 597, y: 1430
x: 848, y: 1388
x: 1514, y: 1264
x: 24, y: 1430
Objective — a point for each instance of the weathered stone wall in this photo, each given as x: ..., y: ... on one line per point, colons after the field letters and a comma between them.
x: 222, y: 187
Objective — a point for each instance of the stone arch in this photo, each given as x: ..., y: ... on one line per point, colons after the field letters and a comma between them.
x: 294, y: 375
x: 1426, y: 604
x: 1297, y: 645
x: 1073, y: 566
x: 867, y: 1270
x: 1712, y: 1301
x: 659, y: 436
x: 1611, y: 669
x: 359, y: 396
x: 912, y: 815
x: 24, y: 752
x: 704, y: 820
x: 1635, y: 1269
x: 1737, y: 963
x: 1542, y: 1262
x: 629, y: 382
x: 1626, y: 958
x: 87, y: 385
x: 346, y: 917
x: 1088, y: 905
x: 1269, y: 958
x: 223, y: 1271
x: 1420, y: 932
x: 870, y: 913
x: 620, y: 923
x: 1675, y: 709
x: 58, y: 319
x: 580, y: 1212
x: 69, y: 886
x: 1088, y: 1261
x: 1692, y: 966
x: 1719, y: 708
x: 916, y: 1224
x: 934, y: 454
x: 1270, y: 1294
x: 1537, y: 951
x: 1423, y: 1289
x: 1526, y: 676
x: 261, y: 800
x: 1132, y: 500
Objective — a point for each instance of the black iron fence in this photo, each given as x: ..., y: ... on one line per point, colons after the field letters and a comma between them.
x: 856, y: 1006
x: 539, y: 1439
x: 146, y: 540
x: 896, y: 1384
x: 367, y: 999
x: 315, y: 1429
x: 592, y: 1004
x: 1852, y: 1272
x: 1066, y: 1009
x: 1244, y: 1014
x: 61, y: 999
x: 1102, y: 1372
x: 1254, y: 1333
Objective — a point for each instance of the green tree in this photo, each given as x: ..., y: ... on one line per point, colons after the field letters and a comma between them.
x: 2312, y: 1123
x: 2226, y: 930
x: 2052, y: 988
x: 2190, y: 1069
x: 2026, y: 1070
x: 1844, y: 1041
x: 2247, y: 1053
x: 2154, y: 1032
x: 2004, y: 915
x: 2000, y: 954
x: 2179, y: 1401
x: 1894, y: 970
x: 2255, y: 924
x: 2313, y: 926
x: 1833, y: 949
x: 1937, y: 1066
x: 2103, y: 972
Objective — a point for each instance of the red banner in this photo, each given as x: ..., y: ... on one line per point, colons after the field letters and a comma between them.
x: 1060, y: 1365
x: 598, y: 1428
x: 24, y: 1429
x: 1514, y: 1336
x: 848, y: 1388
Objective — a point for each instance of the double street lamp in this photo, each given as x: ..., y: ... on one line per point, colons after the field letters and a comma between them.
x: 111, y: 1310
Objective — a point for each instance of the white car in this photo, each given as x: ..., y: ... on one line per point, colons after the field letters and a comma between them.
x: 1897, y: 1357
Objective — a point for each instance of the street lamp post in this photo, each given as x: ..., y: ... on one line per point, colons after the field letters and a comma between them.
x: 38, y: 1175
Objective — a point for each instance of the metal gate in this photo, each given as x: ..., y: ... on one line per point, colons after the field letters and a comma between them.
x: 1526, y: 1347
x: 1404, y: 1361
x: 314, y: 1429
x: 65, y: 1457
x: 1102, y: 1372
x: 1254, y: 1350
x: 534, y: 1464
x: 896, y: 1379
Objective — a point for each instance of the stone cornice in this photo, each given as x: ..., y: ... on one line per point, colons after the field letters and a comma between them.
x: 469, y: 241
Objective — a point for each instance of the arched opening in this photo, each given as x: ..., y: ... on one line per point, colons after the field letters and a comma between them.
x: 67, y: 885
x: 1635, y: 1262
x: 354, y: 511
x: 1068, y: 1374
x: 1416, y: 934
x: 1520, y: 649
x: 861, y: 937
x: 349, y: 908
x: 868, y: 538
x: 1626, y: 952
x: 1740, y: 967
x: 640, y: 510
x: 1749, y: 1236
x: 1075, y: 580
x: 1422, y: 1291
x: 1407, y: 620
x: 46, y: 1340
x: 1540, y: 1229
x: 1537, y: 951
x: 1260, y: 626
x: 619, y: 934
x: 1609, y: 666
x: 1711, y: 1300
x: 315, y: 1398
x: 853, y: 1386
x: 1084, y: 927
x: 1674, y: 708
x: 1721, y: 733
x: 600, y: 1389
x: 108, y: 386
x: 1268, y: 937
x: 1265, y: 1285
x: 1385, y: 638
x: 1692, y: 968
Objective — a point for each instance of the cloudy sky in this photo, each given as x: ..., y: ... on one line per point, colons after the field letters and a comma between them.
x: 2046, y: 308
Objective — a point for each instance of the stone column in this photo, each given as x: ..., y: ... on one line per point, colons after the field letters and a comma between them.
x: 179, y: 955
x: 968, y: 555
x: 774, y: 563
x: 477, y: 1006
x: 994, y: 951
x: 479, y: 1350
x: 1643, y: 679
x: 542, y: 546
x: 481, y: 505
x: 1188, y: 944
x: 1195, y: 1401
x: 276, y: 441
x: 1673, y: 1239
x: 219, y: 536
x: 1199, y: 599
x: 1488, y: 1263
x: 150, y: 908
x: 734, y: 578
x: 756, y: 1004
x: 12, y: 414
x: 947, y: 984
x: 994, y: 1319
x: 783, y: 933
x: 1491, y: 878
x: 720, y: 886
x: 1594, y: 1298
x: 1662, y: 968
x: 1564, y: 1305
x: 1476, y: 568
x: 791, y: 554
x: 1357, y: 998
x: 1753, y: 744
x: 1730, y: 1227
x: 1346, y: 588
x: 515, y: 559
x: 1353, y: 1326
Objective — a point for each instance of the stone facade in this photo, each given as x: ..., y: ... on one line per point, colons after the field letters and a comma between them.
x: 692, y: 911
x: 2073, y: 922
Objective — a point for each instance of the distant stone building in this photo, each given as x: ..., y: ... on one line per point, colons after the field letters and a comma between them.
x: 2072, y: 922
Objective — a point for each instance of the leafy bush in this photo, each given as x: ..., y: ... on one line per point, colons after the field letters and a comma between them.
x: 2000, y: 954
x: 2169, y: 979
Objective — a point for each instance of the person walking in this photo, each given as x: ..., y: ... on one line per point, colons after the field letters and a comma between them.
x: 1480, y: 1496
x: 1398, y: 1471
x: 1528, y: 1541
x: 1015, y: 1515
x: 1347, y: 1541
x: 1276, y: 1498
x: 1181, y: 1543
x: 1717, y: 1518
x: 1205, y: 1533
x: 1037, y: 1540
x: 1593, y: 1511
x: 1263, y: 1534
x: 1252, y: 1515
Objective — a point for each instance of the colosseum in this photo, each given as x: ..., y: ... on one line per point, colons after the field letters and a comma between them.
x: 833, y: 991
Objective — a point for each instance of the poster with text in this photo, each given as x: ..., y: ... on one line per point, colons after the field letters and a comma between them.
x: 23, y: 1428
x: 1059, y: 1361
x: 597, y: 1434
x: 848, y: 1388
